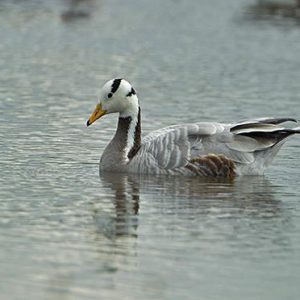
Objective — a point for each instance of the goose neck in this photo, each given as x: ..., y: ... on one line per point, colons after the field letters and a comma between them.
x: 129, y: 134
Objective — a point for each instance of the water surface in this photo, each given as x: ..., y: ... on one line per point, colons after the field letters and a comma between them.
x: 65, y: 232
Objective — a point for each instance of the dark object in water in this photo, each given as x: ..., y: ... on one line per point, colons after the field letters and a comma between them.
x: 269, y: 8
x: 72, y: 15
x: 78, y: 9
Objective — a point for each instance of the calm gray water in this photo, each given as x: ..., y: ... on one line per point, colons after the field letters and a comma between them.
x: 65, y: 232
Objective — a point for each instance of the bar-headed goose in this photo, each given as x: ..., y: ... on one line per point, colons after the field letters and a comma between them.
x: 204, y: 149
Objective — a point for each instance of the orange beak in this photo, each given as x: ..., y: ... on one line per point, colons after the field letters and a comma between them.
x: 97, y: 113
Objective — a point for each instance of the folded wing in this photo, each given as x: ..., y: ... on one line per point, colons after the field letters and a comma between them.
x: 176, y: 146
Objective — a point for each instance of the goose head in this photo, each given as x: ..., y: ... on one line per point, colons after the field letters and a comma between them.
x: 117, y: 96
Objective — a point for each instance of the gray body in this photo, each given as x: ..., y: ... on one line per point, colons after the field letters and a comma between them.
x: 250, y: 145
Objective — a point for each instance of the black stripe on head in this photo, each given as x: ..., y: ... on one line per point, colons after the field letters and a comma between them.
x: 115, y: 85
x: 132, y: 92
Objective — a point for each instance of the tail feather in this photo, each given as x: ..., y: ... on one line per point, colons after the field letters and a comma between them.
x: 276, y: 136
x: 296, y: 130
x: 276, y: 121
x: 262, y: 123
x: 263, y: 139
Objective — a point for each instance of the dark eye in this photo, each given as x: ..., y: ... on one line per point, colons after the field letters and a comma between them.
x: 109, y: 95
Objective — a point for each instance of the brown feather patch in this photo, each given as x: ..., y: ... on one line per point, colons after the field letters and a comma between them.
x: 212, y: 165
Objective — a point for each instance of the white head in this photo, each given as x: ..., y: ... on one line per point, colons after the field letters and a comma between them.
x: 117, y: 96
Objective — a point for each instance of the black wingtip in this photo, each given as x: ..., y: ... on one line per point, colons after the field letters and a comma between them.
x: 289, y: 120
x: 88, y: 123
x: 277, y: 121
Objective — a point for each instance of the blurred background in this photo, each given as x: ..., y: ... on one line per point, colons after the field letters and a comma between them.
x: 65, y: 233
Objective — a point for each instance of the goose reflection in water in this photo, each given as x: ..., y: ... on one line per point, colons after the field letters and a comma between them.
x: 126, y: 207
x: 162, y: 196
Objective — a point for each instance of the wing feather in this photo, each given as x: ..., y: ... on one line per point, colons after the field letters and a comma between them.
x: 173, y: 147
